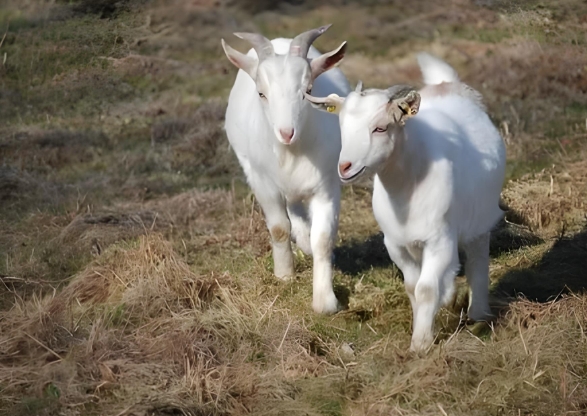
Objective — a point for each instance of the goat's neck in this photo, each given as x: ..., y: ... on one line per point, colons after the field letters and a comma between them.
x: 402, y: 170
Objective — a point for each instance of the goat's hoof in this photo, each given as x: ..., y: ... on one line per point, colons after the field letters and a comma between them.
x: 420, y: 346
x: 285, y: 274
x: 480, y: 328
x: 483, y: 315
x: 285, y: 277
x: 326, y: 304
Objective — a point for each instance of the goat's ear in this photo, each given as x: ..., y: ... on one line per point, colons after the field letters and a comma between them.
x: 327, y: 61
x: 402, y: 105
x: 331, y: 104
x: 240, y: 60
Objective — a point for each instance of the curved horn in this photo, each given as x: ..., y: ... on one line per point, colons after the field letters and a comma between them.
x: 399, y: 91
x: 301, y: 43
x: 260, y: 43
x: 359, y: 87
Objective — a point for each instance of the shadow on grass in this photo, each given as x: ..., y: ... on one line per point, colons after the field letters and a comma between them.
x: 355, y: 256
x: 508, y: 236
x: 562, y: 269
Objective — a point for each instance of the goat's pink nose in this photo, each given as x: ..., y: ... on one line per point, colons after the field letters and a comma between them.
x: 344, y: 167
x: 286, y: 134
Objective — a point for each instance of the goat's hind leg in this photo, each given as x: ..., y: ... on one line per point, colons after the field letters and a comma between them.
x: 300, y: 226
x: 477, y: 272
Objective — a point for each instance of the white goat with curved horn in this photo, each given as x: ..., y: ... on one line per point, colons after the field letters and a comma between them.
x: 438, y: 178
x: 288, y: 150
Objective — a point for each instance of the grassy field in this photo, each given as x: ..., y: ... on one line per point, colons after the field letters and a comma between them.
x: 135, y: 267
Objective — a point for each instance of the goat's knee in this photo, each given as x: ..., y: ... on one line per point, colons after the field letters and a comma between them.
x: 279, y: 234
x: 283, y: 267
x: 426, y: 293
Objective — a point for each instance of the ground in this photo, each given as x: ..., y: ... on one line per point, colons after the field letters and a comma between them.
x: 135, y: 266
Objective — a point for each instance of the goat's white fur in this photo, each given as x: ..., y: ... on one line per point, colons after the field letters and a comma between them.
x: 437, y: 185
x: 296, y: 184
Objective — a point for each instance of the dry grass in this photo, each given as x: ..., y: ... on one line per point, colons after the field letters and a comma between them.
x: 137, y: 319
x: 553, y: 199
x: 135, y: 267
x: 518, y: 363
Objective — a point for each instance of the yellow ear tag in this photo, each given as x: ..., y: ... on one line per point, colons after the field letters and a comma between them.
x: 406, y: 108
x: 330, y: 108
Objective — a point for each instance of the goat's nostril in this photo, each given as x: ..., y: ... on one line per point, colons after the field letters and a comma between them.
x: 344, y: 167
x: 286, y: 134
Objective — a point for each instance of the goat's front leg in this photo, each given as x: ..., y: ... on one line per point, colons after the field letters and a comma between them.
x: 275, y: 211
x: 411, y: 269
x: 439, y: 265
x: 324, y: 211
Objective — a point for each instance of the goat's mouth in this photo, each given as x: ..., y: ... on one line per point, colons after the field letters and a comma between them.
x: 354, y: 176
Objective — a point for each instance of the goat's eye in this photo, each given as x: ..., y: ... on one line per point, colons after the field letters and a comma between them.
x: 262, y: 95
x: 380, y: 130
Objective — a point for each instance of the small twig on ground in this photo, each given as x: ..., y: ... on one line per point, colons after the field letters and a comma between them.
x: 441, y: 409
x: 284, y: 335
x: 160, y: 34
x: 125, y: 411
x: 523, y: 341
x: 5, y: 33
x: 265, y: 313
x: 44, y: 346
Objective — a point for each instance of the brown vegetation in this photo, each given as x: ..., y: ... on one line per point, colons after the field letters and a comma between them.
x: 135, y: 266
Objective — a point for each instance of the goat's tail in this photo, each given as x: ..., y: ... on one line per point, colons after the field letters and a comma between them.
x: 435, y: 71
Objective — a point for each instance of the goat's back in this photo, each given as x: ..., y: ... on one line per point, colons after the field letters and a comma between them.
x: 455, y: 130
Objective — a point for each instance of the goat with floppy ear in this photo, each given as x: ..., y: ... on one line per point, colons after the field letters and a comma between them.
x: 439, y: 166
x: 289, y: 151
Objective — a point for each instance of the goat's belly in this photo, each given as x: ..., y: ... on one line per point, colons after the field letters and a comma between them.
x: 406, y: 236
x: 476, y: 219
x: 410, y: 230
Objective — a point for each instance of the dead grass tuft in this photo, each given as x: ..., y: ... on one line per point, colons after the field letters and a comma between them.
x: 196, y: 211
x: 95, y: 232
x: 518, y: 366
x: 138, y: 318
x: 551, y: 200
x: 147, y: 276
